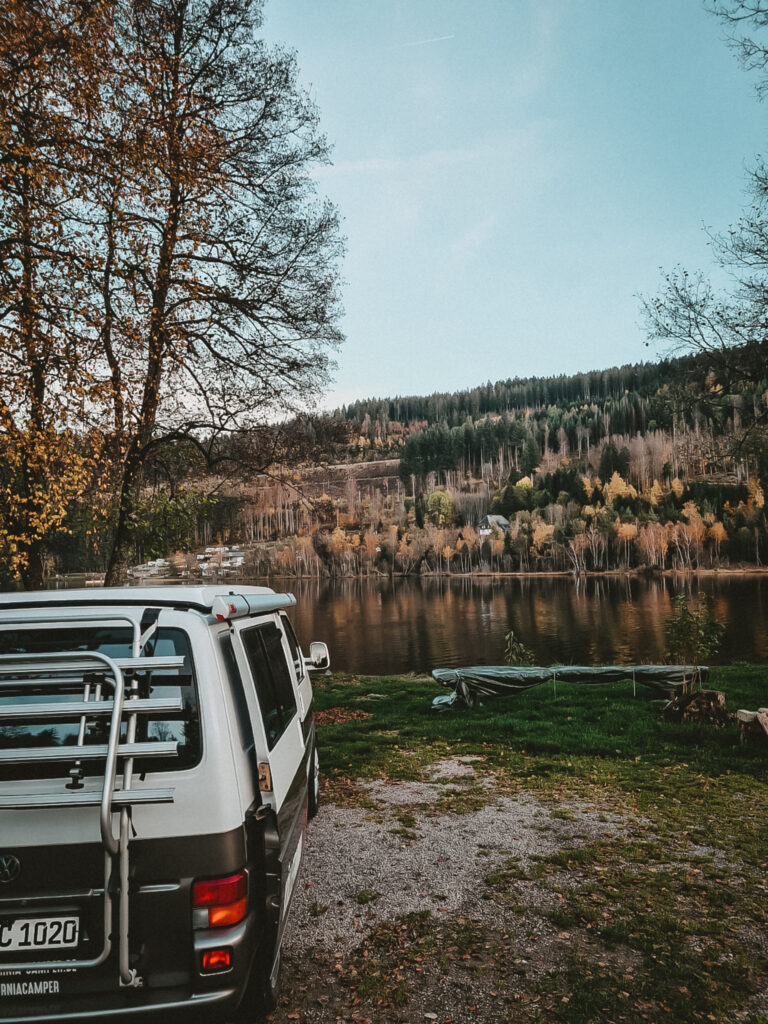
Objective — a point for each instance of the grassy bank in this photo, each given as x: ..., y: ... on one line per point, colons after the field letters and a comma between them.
x: 667, y: 919
x: 606, y: 732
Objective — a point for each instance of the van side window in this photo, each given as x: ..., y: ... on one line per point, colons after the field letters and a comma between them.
x: 235, y: 680
x: 293, y: 645
x: 264, y: 649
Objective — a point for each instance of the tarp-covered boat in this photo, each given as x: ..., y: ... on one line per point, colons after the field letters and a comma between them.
x: 471, y: 684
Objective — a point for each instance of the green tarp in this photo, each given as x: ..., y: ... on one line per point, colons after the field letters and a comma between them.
x: 471, y: 684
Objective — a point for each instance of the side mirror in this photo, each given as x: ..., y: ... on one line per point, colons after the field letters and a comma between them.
x: 319, y: 658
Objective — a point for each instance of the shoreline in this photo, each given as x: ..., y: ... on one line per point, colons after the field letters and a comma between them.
x: 95, y: 579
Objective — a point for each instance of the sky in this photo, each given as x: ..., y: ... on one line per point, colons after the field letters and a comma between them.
x: 512, y: 175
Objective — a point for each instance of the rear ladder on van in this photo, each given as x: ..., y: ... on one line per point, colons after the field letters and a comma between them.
x: 110, y: 692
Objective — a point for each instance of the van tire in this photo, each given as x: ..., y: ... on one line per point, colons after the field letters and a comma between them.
x: 269, y: 993
x: 261, y: 996
x: 313, y: 786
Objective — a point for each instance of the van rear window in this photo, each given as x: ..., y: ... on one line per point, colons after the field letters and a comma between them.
x: 115, y: 642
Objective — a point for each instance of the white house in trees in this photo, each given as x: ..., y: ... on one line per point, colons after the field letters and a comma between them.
x: 490, y: 523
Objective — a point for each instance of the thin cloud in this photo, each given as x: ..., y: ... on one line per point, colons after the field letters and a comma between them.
x: 474, y: 239
x: 425, y: 42
x: 428, y: 162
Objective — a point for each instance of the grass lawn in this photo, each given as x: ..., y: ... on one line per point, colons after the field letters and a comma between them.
x: 666, y: 920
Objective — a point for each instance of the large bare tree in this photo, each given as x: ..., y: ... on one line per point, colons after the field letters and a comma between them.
x: 219, y: 267
x: 197, y: 272
x: 728, y: 330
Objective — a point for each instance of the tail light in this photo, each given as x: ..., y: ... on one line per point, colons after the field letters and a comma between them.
x: 219, y: 902
x: 217, y: 959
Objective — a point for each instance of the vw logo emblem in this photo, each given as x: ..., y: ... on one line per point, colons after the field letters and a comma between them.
x: 10, y: 867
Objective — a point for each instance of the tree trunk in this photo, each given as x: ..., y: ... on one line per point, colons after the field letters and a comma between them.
x: 117, y: 570
x: 32, y: 576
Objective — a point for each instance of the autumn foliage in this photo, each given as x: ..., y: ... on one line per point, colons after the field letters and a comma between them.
x: 165, y: 269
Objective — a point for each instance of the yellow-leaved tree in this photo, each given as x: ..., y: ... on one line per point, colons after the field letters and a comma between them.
x: 617, y: 487
x: 51, y: 52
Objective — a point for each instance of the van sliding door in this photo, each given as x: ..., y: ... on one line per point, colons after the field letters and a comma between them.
x: 272, y: 703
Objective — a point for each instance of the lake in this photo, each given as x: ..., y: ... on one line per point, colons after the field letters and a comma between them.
x: 390, y: 626
x: 403, y: 625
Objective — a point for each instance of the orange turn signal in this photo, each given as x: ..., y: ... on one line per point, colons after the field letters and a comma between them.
x: 231, y: 913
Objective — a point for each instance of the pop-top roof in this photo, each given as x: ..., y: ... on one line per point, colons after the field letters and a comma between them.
x: 204, y: 599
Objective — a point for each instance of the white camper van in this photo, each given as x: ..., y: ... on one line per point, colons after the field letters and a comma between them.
x: 158, y: 765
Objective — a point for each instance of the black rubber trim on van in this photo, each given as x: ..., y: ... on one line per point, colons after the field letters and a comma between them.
x: 76, y: 866
x: 111, y: 602
x: 307, y: 725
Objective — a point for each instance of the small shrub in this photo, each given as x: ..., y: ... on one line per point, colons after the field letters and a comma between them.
x: 515, y: 652
x: 693, y: 635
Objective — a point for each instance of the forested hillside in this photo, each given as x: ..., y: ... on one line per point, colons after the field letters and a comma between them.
x: 645, y: 466
x: 641, y: 380
x: 671, y: 405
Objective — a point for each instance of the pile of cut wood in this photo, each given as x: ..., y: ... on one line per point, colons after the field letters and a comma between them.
x: 705, y: 706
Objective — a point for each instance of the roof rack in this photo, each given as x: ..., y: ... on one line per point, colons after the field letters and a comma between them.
x: 110, y: 690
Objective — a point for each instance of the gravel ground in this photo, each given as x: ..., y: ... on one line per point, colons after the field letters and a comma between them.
x: 439, y: 870
x: 362, y: 870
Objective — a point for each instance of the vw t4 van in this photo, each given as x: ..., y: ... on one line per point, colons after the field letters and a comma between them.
x: 158, y: 765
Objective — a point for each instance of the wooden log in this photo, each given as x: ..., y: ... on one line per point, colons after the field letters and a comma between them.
x: 704, y: 706
x: 752, y: 723
x: 746, y: 717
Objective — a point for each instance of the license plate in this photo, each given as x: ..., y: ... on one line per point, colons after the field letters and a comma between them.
x: 32, y: 933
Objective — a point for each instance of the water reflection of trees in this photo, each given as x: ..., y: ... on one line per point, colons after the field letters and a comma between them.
x: 402, y: 625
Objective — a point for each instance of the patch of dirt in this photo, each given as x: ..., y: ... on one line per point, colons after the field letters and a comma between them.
x: 337, y: 716
x: 449, y: 900
x: 453, y: 771
x: 454, y: 768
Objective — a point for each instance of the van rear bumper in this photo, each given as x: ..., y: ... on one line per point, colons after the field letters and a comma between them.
x: 148, y: 1005
x: 170, y: 1006
x: 213, y: 999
